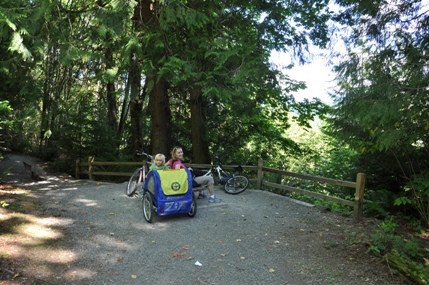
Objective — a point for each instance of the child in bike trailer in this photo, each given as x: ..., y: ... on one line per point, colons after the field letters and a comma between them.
x: 159, y: 163
x: 176, y: 163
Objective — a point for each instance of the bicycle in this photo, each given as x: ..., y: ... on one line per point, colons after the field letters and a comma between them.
x: 233, y: 184
x: 137, y: 179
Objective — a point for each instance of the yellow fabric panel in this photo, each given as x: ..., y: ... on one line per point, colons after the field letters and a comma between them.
x: 174, y: 182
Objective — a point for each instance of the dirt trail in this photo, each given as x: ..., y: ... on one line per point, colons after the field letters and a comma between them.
x: 81, y: 232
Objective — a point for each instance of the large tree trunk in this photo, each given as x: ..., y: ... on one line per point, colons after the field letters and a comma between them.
x: 160, y: 113
x: 200, y: 148
x: 142, y: 15
x: 136, y: 108
x: 49, y: 70
x: 145, y: 18
x: 112, y: 108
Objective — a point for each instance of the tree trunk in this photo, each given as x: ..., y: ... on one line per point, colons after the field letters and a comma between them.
x: 200, y: 148
x: 142, y: 16
x: 136, y: 108
x: 47, y: 96
x: 112, y: 108
x: 124, y: 108
x: 160, y: 113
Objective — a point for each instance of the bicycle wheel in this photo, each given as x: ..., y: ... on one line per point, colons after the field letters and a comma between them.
x: 193, y: 211
x: 236, y: 184
x: 134, y: 183
x: 148, y: 209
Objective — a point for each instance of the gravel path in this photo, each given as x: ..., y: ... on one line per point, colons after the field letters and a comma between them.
x: 97, y: 235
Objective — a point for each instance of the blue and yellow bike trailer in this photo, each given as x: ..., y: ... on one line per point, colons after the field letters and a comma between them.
x: 168, y: 192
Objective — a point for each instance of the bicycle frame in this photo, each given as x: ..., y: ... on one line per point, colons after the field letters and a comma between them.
x: 139, y: 176
x: 145, y: 167
x: 217, y: 169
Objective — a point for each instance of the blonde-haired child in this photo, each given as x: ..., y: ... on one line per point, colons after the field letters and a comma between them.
x: 159, y: 162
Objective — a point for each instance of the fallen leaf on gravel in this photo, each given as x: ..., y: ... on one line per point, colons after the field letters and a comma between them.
x: 15, y: 275
x: 179, y: 255
x: 223, y: 254
x: 271, y: 270
x: 238, y: 240
x: 112, y: 214
x: 85, y: 222
x: 185, y: 247
x: 134, y: 276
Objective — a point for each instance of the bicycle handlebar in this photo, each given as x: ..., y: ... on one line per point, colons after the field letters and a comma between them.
x: 142, y: 153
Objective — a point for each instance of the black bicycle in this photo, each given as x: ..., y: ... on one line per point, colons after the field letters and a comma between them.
x: 137, y: 179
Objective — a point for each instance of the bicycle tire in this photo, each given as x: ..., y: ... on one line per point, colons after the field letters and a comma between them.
x: 236, y: 184
x: 133, y: 183
x: 148, y: 209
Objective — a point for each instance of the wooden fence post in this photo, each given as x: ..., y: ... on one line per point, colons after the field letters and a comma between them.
x: 90, y: 167
x: 360, y: 188
x: 260, y: 174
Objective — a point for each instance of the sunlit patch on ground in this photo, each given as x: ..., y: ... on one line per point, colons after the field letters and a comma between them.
x: 27, y: 242
x: 79, y: 273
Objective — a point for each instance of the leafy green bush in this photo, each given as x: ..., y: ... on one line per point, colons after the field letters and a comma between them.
x: 386, y: 239
x: 418, y: 196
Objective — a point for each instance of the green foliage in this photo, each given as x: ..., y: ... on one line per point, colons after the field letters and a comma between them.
x: 334, y: 207
x: 379, y: 203
x: 406, y: 248
x: 381, y: 99
x: 5, y: 115
x: 418, y: 195
x: 320, y: 155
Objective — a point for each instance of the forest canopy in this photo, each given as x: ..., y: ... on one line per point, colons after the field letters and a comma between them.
x: 111, y: 77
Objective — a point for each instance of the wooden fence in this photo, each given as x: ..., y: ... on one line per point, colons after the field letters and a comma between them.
x: 358, y: 185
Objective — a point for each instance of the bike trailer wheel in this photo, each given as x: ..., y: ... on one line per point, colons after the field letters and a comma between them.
x: 148, y: 208
x: 193, y: 211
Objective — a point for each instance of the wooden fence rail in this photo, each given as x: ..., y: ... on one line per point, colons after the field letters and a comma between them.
x: 358, y: 185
